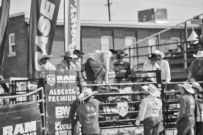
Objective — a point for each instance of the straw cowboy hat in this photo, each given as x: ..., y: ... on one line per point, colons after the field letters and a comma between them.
x: 197, y: 86
x: 87, y: 92
x: 152, y: 90
x: 69, y: 55
x: 42, y: 57
x: 187, y: 87
x: 161, y: 54
x: 199, y: 54
x: 153, y: 56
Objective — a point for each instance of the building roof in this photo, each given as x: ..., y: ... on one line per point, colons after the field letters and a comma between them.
x: 118, y: 24
x: 123, y: 24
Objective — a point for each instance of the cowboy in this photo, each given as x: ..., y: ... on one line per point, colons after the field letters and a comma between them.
x: 150, y: 65
x: 44, y: 60
x: 198, y: 108
x: 70, y: 62
x: 150, y: 111
x: 195, y: 71
x: 186, y: 118
x: 164, y: 67
x: 88, y: 112
x: 122, y: 68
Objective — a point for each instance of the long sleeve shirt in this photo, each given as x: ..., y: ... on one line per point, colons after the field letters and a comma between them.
x: 150, y: 107
x: 165, y: 71
x: 187, y: 106
x: 147, y: 66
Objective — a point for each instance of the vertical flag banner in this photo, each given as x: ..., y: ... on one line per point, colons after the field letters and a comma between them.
x: 72, y: 27
x: 61, y: 93
x: 43, y: 17
x: 4, y: 16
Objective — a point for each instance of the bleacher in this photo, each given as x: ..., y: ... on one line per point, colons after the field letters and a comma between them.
x: 179, y: 63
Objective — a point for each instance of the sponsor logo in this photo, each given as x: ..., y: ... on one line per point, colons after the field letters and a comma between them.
x: 28, y: 128
x: 122, y: 108
x: 51, y: 79
x: 62, y: 111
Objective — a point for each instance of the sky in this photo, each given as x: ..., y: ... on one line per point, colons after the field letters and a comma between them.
x: 123, y: 10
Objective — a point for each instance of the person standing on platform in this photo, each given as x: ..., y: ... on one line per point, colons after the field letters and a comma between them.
x: 186, y: 118
x: 44, y: 61
x: 150, y: 111
x: 150, y: 65
x: 88, y: 112
x: 121, y: 68
x: 198, y: 108
x: 195, y: 70
x: 164, y: 67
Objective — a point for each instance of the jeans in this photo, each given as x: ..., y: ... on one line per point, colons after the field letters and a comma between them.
x: 185, y: 126
x: 151, y: 125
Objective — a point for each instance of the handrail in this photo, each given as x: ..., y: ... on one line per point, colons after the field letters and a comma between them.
x: 23, y: 95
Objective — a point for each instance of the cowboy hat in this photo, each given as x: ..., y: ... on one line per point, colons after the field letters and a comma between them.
x: 44, y: 56
x: 161, y: 54
x: 87, y: 92
x: 153, y: 56
x: 197, y: 86
x: 152, y: 90
x: 199, y: 54
x: 78, y: 53
x: 121, y: 53
x: 187, y: 87
x: 69, y: 55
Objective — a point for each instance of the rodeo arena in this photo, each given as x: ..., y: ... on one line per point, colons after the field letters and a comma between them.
x: 99, y: 78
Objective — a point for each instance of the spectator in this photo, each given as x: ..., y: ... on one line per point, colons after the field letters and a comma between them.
x: 68, y: 62
x: 150, y: 65
x: 164, y: 67
x: 71, y: 62
x: 195, y: 71
x: 186, y: 118
x: 198, y: 108
x: 150, y: 111
x: 121, y: 68
x: 88, y: 113
x: 44, y: 60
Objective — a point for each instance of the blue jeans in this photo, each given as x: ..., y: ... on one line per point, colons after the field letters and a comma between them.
x: 151, y: 125
x: 185, y: 126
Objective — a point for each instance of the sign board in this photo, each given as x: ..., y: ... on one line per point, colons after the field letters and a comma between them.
x: 61, y: 94
x: 153, y: 15
x: 20, y: 119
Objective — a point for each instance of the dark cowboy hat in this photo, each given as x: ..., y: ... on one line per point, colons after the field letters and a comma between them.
x: 121, y: 53
x: 78, y: 53
x: 113, y: 51
x: 44, y: 56
x: 69, y: 55
x: 153, y: 56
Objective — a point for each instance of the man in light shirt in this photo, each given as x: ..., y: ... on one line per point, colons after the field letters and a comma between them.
x: 150, y: 111
x: 150, y: 65
x: 164, y: 67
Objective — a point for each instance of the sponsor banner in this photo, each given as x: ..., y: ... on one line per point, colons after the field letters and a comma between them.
x: 72, y: 29
x: 20, y: 119
x: 61, y: 93
x: 4, y: 16
x: 43, y: 17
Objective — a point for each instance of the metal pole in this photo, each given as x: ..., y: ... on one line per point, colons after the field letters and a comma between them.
x: 66, y: 12
x: 185, y: 47
x: 109, y: 11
